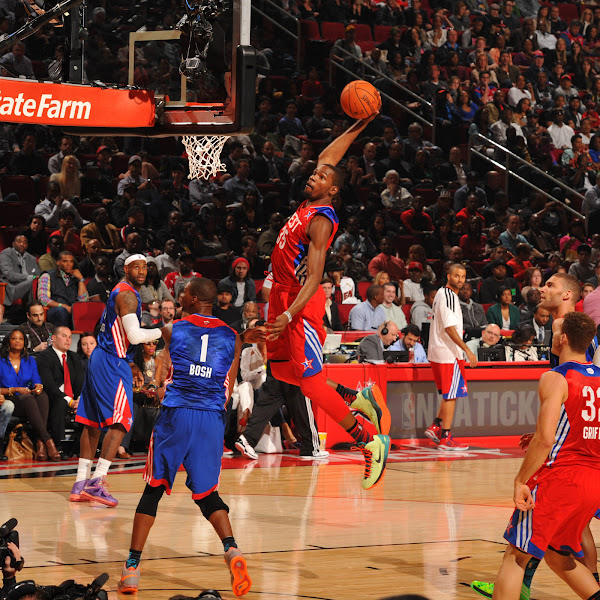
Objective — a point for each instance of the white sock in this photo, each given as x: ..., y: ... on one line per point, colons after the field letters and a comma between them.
x: 84, y: 469
x: 102, y: 468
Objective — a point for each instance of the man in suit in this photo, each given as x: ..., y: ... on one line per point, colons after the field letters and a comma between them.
x: 62, y: 373
x: 372, y: 346
x: 268, y: 168
x: 101, y: 229
x: 18, y: 269
x: 542, y: 323
x: 367, y: 164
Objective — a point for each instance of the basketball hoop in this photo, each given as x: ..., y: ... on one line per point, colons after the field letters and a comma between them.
x: 204, y: 154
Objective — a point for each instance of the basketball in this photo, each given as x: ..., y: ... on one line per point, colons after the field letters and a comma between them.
x: 360, y: 99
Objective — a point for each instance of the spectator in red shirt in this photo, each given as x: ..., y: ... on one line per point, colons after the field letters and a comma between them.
x: 416, y: 221
x: 177, y: 280
x: 68, y: 232
x: 470, y: 210
x: 520, y: 263
x: 473, y: 242
x: 387, y: 261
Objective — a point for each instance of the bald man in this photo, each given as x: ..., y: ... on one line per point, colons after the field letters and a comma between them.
x: 386, y: 338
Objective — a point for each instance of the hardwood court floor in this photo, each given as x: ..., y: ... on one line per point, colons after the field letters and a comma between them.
x: 308, y: 531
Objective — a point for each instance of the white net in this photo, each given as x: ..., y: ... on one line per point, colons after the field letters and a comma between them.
x: 204, y: 154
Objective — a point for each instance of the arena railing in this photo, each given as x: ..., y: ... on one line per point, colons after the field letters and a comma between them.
x: 510, y: 156
x: 428, y: 105
x: 295, y: 36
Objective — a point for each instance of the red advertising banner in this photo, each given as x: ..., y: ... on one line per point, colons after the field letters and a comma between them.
x: 24, y: 101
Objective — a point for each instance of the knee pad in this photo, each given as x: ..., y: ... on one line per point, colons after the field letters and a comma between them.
x: 148, y: 503
x: 211, y: 504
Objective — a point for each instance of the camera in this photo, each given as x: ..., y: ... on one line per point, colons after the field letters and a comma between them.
x: 8, y: 534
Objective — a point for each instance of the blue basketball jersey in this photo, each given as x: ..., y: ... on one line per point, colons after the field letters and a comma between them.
x: 202, y: 351
x: 112, y: 337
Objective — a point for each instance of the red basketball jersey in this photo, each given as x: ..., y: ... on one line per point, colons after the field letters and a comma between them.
x: 577, y: 440
x: 289, y: 258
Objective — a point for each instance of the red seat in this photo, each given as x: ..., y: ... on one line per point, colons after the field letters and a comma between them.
x: 86, y: 210
x: 403, y: 243
x: 406, y: 310
x: 344, y: 312
x: 209, y: 267
x: 367, y: 46
x: 259, y: 284
x: 15, y: 214
x: 382, y: 32
x: 21, y: 185
x: 86, y: 315
x: 486, y: 306
x: 429, y: 195
x: 7, y: 236
x: 119, y: 164
x: 363, y: 33
x: 310, y: 30
x: 363, y: 286
x: 332, y: 31
x: 568, y: 11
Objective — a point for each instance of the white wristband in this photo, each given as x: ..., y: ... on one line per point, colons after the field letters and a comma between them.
x: 288, y: 315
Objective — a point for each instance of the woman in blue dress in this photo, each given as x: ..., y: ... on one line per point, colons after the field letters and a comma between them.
x: 21, y: 383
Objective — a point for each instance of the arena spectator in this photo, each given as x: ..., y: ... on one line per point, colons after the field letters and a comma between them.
x: 267, y: 239
x: 331, y: 318
x: 47, y: 261
x: 395, y: 196
x: 176, y: 280
x: 387, y: 261
x: 101, y: 284
x: 67, y: 231
x: 93, y: 251
x: 17, y: 62
x: 520, y: 263
x: 473, y: 314
x: 62, y: 372
x: 18, y: 269
x: 491, y: 286
x: 368, y: 315
x: 421, y: 311
x: 133, y: 176
x: 103, y: 230
x: 470, y: 187
x: 133, y: 245
x: 413, y: 292
x: 490, y: 336
x: 223, y: 308
x: 268, y: 168
x: 582, y: 269
x: 28, y: 161
x: 61, y: 288
x: 415, y: 220
x: 237, y: 186
x: 362, y: 246
x: 560, y: 133
x: 20, y: 382
x: 50, y: 207
x: 521, y: 348
x: 386, y: 338
x: 504, y: 313
x: 392, y: 304
x: 542, y: 324
x: 65, y: 148
x: 511, y: 237
x: 243, y: 287
x: 344, y: 289
x: 353, y: 268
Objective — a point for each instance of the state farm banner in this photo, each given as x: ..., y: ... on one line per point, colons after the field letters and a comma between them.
x: 64, y: 104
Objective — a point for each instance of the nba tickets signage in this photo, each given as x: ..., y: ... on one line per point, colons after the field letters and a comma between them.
x: 490, y: 409
x: 24, y: 101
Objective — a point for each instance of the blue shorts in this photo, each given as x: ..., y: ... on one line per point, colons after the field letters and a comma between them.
x: 188, y: 436
x: 107, y: 394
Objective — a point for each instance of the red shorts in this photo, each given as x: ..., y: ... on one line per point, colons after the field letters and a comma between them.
x: 566, y: 498
x: 450, y: 379
x: 301, y: 342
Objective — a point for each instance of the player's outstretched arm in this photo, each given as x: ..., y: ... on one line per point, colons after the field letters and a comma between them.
x: 333, y: 153
x: 553, y: 391
x: 320, y: 232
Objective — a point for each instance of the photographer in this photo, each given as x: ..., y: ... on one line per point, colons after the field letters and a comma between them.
x: 8, y: 572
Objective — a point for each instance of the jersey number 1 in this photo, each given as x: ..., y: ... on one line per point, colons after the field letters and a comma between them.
x: 204, y: 347
x: 589, y: 414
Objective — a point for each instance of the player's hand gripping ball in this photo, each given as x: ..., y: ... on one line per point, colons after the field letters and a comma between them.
x: 360, y: 100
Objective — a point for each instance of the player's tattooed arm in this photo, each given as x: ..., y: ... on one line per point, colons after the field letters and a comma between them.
x: 126, y: 303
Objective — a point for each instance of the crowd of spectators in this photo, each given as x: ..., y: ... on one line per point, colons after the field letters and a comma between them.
x: 520, y: 74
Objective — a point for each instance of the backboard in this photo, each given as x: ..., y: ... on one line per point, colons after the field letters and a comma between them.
x: 194, y: 77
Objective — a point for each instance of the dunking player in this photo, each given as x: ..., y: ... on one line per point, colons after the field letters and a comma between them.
x: 297, y: 306
x: 107, y: 395
x: 557, y: 489
x: 559, y: 297
x: 445, y: 354
x: 205, y: 354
